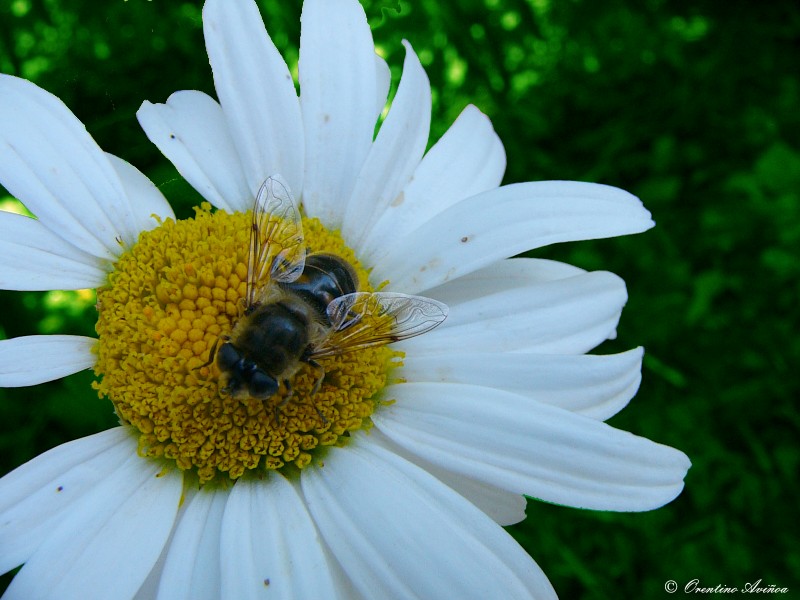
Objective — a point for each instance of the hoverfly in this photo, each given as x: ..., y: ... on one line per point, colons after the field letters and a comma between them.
x: 301, y: 307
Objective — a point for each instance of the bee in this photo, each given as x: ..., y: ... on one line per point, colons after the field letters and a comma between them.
x: 299, y: 307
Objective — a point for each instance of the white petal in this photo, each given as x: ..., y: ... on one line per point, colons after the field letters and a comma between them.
x: 383, y: 81
x: 49, y: 162
x: 257, y: 94
x: 595, y: 386
x: 37, y: 495
x: 149, y: 587
x: 338, y: 91
x: 503, y: 275
x: 107, y: 544
x: 191, y: 131
x: 146, y: 201
x: 34, y: 258
x: 564, y: 316
x: 34, y: 359
x: 395, y: 529
x: 502, y: 506
x: 483, y: 229
x: 192, y: 565
x: 271, y: 547
x: 395, y: 154
x: 533, y: 448
x: 467, y: 160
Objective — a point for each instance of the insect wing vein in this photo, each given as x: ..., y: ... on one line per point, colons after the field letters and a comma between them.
x: 277, y: 247
x: 365, y: 319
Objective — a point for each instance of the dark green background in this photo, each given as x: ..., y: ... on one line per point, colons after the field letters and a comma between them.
x: 693, y: 106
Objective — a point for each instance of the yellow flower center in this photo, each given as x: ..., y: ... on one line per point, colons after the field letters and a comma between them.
x: 170, y: 300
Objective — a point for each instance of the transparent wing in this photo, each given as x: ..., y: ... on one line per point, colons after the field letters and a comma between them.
x: 277, y: 248
x: 367, y: 319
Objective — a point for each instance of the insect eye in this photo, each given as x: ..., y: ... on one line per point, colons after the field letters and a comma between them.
x: 261, y: 385
x: 228, y: 356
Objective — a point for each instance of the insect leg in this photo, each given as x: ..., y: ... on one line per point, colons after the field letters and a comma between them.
x: 213, y: 353
x: 282, y: 403
x: 320, y: 371
x: 352, y: 319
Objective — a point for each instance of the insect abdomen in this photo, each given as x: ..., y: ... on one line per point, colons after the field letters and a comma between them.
x: 324, y: 278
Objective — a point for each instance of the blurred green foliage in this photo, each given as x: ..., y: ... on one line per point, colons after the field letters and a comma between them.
x: 693, y: 106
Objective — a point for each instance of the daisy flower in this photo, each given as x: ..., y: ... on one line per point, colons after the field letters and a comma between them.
x: 393, y: 478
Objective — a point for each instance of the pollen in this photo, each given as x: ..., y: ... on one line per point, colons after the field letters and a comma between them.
x: 170, y: 301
